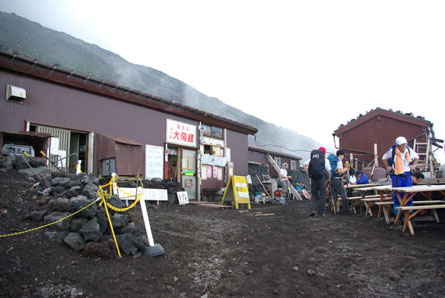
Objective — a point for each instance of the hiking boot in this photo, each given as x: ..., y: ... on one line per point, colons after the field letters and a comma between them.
x: 312, y: 213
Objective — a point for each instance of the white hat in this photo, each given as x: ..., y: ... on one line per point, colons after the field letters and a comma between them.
x: 401, y: 141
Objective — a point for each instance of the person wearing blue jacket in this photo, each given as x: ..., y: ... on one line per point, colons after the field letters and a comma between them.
x: 361, y: 177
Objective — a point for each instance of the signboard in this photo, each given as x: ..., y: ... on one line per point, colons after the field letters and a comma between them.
x: 54, y: 146
x: 181, y: 133
x: 212, y: 141
x: 213, y: 160
x: 149, y: 194
x: 230, y: 167
x: 183, y: 199
x: 237, y: 191
x: 154, y: 162
x: 166, y: 162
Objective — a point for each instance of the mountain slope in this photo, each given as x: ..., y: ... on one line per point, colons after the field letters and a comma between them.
x: 28, y: 38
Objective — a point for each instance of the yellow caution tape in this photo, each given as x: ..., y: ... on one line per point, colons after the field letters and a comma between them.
x: 47, y: 225
x: 104, y: 195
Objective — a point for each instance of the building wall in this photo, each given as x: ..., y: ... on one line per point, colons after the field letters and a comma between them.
x: 258, y: 157
x: 381, y: 130
x: 52, y: 104
x: 238, y: 144
x: 261, y: 157
x: 55, y: 105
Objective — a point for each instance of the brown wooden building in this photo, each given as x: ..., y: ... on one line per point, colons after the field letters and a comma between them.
x: 380, y: 127
x: 259, y: 156
x: 111, y: 128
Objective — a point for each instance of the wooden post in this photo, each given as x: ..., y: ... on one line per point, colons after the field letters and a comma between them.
x: 376, y: 157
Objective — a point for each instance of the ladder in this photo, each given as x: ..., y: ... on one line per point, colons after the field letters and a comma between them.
x: 423, y: 149
x: 290, y: 187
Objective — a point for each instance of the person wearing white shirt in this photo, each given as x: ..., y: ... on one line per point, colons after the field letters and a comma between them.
x: 400, y: 160
x: 284, y: 181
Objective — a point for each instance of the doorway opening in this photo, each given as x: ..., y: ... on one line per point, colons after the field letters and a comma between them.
x: 182, y: 168
x: 67, y: 148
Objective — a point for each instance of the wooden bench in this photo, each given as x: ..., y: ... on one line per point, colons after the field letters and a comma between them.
x: 358, y: 199
x: 407, y: 209
x: 371, y: 201
x: 387, y: 207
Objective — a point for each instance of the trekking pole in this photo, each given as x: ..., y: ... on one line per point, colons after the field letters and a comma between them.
x: 328, y: 186
x: 332, y: 198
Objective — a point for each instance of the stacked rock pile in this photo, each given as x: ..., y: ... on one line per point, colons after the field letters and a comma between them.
x: 57, y: 195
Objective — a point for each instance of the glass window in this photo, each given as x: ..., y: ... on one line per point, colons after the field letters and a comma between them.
x: 207, y: 129
x: 217, y: 132
x: 207, y: 149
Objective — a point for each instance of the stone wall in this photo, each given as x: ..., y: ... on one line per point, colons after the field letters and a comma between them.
x: 59, y: 195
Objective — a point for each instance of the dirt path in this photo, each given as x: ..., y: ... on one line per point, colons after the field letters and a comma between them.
x: 269, y: 251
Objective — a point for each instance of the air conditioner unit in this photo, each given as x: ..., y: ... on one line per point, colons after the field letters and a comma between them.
x: 15, y: 94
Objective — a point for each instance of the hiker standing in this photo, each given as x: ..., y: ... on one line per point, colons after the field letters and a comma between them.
x: 284, y: 181
x: 337, y: 173
x: 400, y: 160
x: 317, y: 167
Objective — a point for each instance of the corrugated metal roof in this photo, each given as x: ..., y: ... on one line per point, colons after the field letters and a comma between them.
x: 30, y: 134
x: 123, y: 140
x: 405, y: 117
x: 68, y: 77
x: 261, y: 150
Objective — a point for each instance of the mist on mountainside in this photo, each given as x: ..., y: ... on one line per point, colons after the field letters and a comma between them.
x: 27, y: 38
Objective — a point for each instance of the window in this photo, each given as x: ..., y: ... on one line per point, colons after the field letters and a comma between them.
x: 207, y: 130
x: 213, y: 150
x: 217, y: 132
x: 277, y: 161
x: 293, y: 164
x: 212, y: 131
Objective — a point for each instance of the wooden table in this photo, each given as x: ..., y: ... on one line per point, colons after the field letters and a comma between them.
x: 360, y: 186
x: 380, y: 189
x: 405, y: 194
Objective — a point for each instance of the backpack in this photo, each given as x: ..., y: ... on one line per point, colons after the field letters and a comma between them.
x: 393, y: 147
x: 333, y: 160
x: 317, y: 164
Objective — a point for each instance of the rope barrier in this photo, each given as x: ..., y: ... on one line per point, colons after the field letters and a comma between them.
x: 47, y: 225
x: 103, y: 196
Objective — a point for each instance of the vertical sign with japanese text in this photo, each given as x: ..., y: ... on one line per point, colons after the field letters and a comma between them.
x: 181, y: 133
x: 154, y: 162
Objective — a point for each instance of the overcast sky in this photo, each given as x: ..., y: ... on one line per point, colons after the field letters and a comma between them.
x: 305, y: 65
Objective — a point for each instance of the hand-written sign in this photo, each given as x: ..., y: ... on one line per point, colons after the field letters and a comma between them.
x: 154, y: 162
x: 183, y: 198
x: 213, y: 160
x: 237, y: 191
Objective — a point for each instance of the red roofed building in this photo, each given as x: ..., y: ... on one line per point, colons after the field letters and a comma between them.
x: 382, y: 127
